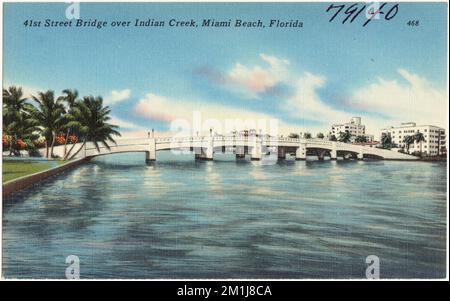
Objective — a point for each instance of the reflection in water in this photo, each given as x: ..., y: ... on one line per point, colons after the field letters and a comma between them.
x: 181, y: 218
x: 212, y: 177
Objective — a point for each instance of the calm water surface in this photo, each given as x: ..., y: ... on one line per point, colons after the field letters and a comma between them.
x: 179, y: 218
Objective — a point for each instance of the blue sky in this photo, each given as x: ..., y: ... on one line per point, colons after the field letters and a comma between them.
x: 308, y: 78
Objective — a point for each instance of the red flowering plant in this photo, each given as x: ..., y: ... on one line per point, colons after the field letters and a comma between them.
x: 21, y: 145
x: 72, y: 139
x: 5, y: 141
x: 60, y: 139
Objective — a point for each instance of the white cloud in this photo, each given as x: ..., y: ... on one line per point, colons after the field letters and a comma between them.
x: 255, y: 79
x: 124, y: 125
x: 274, y: 61
x: 117, y: 96
x: 220, y: 117
x: 258, y: 79
x: 306, y: 103
x: 416, y: 100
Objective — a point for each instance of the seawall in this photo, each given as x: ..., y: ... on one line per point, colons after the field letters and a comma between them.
x: 26, y: 181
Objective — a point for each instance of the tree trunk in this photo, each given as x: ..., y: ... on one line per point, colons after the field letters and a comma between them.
x: 65, y: 142
x: 70, y: 150
x: 11, y: 146
x: 46, y: 148
x: 53, y: 144
x: 81, y: 147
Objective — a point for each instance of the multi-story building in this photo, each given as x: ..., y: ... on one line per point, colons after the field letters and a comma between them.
x: 354, y: 128
x: 435, y: 138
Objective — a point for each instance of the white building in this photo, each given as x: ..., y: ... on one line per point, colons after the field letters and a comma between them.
x: 354, y: 127
x: 435, y: 138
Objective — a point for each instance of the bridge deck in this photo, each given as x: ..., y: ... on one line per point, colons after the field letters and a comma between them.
x: 253, y: 145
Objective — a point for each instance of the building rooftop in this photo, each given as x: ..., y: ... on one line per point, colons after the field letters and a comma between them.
x: 411, y: 124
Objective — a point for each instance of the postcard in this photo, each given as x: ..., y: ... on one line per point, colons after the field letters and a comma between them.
x: 211, y: 140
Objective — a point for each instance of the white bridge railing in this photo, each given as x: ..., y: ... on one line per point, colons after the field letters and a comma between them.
x: 280, y: 141
x: 240, y: 138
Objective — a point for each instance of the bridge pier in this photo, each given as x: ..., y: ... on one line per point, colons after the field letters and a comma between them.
x: 204, y: 155
x: 281, y: 153
x: 333, y: 152
x: 321, y: 155
x: 300, y: 153
x: 256, y: 153
x: 240, y: 152
x: 361, y: 154
x: 206, y: 151
x: 150, y: 155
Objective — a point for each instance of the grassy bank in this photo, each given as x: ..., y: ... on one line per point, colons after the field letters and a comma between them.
x: 13, y: 169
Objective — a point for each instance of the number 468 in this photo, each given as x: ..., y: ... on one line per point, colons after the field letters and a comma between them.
x: 413, y: 23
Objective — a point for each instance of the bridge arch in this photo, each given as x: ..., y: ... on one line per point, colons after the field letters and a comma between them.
x: 373, y: 157
x: 320, y: 152
x: 347, y: 154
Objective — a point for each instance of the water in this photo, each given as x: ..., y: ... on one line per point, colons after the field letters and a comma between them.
x: 224, y: 219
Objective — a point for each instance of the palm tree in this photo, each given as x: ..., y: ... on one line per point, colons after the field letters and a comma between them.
x: 13, y: 103
x: 419, y: 138
x: 361, y: 139
x: 50, y: 116
x: 344, y: 137
x: 320, y: 135
x: 24, y: 128
x: 408, y: 140
x: 70, y: 99
x: 386, y: 140
x: 16, y: 112
x: 333, y: 138
x: 91, y: 118
x: 307, y: 135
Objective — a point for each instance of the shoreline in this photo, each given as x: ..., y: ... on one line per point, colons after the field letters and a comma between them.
x: 20, y: 183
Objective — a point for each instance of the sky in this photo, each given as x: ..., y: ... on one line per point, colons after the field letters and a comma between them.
x: 306, y: 78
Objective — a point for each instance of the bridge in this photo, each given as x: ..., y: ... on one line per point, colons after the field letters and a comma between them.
x: 257, y: 147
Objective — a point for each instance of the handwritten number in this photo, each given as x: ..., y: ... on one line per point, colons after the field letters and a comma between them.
x: 374, y: 14
x: 332, y: 6
x: 349, y: 12
x: 388, y: 15
x: 353, y: 11
x: 354, y: 17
